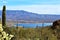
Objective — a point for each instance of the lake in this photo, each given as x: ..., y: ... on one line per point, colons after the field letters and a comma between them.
x: 33, y: 25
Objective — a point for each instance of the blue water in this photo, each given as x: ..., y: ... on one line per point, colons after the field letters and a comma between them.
x: 33, y: 25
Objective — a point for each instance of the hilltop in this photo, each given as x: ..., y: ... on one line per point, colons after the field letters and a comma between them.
x: 29, y: 17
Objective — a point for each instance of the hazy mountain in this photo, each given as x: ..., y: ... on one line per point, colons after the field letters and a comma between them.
x: 29, y: 17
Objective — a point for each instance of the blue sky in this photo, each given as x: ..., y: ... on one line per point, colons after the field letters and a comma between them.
x: 29, y: 2
x: 36, y: 6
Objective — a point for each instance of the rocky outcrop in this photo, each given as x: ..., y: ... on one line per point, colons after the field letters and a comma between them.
x: 56, y: 27
x: 56, y: 24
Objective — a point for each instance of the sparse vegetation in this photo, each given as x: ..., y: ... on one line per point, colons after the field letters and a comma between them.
x: 45, y: 33
x: 32, y: 33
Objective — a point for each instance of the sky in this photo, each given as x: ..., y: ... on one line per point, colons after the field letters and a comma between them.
x: 35, y: 6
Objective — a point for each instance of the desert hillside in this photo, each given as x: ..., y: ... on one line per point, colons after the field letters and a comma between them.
x: 43, y: 33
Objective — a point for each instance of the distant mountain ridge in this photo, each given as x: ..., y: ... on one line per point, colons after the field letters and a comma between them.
x: 29, y: 17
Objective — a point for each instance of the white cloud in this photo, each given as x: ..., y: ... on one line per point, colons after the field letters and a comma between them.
x: 3, y: 1
x: 40, y: 9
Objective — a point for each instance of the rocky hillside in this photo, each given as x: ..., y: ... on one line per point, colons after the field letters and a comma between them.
x: 29, y: 17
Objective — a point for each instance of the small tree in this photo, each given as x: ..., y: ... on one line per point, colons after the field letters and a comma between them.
x: 4, y: 16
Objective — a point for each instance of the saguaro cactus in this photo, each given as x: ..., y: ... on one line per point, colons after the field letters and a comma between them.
x: 4, y: 16
x: 3, y: 34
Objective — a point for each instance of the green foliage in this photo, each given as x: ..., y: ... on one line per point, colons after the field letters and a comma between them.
x: 32, y: 33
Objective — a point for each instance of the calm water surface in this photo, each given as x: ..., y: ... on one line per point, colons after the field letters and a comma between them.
x: 33, y: 25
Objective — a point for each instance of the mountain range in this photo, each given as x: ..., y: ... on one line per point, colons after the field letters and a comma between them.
x: 29, y: 17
